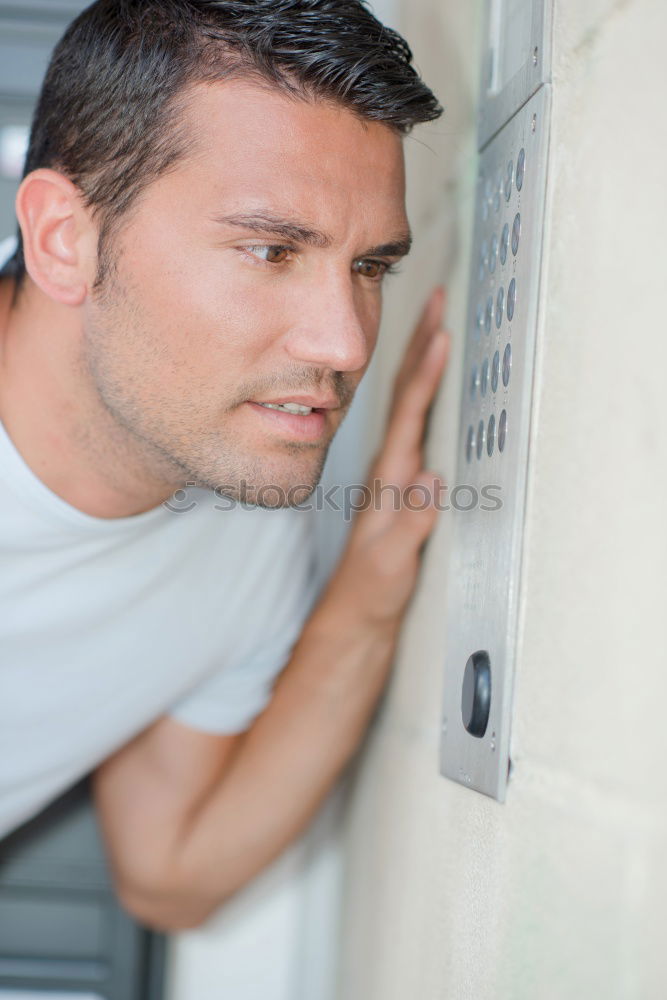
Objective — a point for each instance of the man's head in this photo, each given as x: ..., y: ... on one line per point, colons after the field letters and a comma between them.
x: 216, y: 187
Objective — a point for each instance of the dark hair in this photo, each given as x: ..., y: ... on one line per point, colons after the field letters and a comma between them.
x: 108, y: 116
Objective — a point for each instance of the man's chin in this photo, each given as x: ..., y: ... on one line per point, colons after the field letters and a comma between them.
x: 273, y: 492
x: 271, y: 480
x: 273, y: 497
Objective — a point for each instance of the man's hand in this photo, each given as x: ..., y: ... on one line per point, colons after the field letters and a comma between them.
x: 189, y: 817
x: 378, y: 571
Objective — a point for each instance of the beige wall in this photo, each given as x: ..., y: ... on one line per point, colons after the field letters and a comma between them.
x: 559, y: 893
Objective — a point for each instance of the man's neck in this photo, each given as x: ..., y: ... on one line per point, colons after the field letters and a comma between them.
x: 55, y: 420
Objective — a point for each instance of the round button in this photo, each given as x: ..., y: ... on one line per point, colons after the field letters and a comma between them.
x: 508, y: 180
x: 502, y: 430
x: 470, y: 443
x: 493, y: 253
x: 511, y: 299
x: 516, y: 233
x: 500, y: 306
x: 484, y: 381
x: 480, y: 317
x: 474, y: 381
x: 491, y: 435
x: 495, y: 371
x: 507, y: 364
x: 476, y: 693
x: 520, y: 168
x: 504, y: 243
x: 480, y: 438
x: 488, y: 315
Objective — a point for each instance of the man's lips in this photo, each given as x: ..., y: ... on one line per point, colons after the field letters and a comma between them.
x: 298, y: 426
x: 315, y: 402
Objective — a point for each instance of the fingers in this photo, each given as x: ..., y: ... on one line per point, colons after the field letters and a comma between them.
x: 431, y: 316
x: 429, y: 321
x: 401, y: 452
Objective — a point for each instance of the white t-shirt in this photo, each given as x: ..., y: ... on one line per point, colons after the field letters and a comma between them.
x: 106, y: 624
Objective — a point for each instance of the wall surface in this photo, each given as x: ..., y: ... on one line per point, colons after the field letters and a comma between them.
x: 559, y: 893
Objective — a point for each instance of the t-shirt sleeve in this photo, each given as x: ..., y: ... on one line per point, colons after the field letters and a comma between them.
x: 230, y: 699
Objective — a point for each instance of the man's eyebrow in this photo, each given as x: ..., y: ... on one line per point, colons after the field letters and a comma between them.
x: 274, y: 225
x: 399, y: 247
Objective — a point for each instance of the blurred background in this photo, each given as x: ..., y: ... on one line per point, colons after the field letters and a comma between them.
x: 409, y: 884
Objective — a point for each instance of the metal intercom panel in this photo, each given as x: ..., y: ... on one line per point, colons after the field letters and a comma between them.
x: 517, y: 60
x: 496, y: 400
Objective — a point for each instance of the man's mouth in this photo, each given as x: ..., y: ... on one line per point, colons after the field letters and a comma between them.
x: 290, y: 408
x: 301, y: 403
x: 304, y: 418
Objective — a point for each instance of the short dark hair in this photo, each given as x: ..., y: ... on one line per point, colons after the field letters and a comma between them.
x: 108, y: 115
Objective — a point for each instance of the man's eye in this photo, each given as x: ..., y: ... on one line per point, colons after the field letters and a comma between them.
x: 269, y: 254
x: 374, y: 269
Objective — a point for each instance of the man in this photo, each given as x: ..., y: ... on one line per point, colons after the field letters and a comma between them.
x: 213, y: 194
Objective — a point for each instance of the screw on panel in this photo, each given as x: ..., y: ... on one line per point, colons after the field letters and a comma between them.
x: 535, y: 51
x: 510, y: 768
x: 533, y: 124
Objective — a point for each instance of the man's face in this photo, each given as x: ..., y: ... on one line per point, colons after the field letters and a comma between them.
x: 250, y: 274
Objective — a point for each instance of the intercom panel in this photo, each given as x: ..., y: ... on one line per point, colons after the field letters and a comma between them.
x: 516, y: 62
x: 493, y: 451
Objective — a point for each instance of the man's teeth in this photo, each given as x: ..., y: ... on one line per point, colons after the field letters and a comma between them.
x: 288, y: 407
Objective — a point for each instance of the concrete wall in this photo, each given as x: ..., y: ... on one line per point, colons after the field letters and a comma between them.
x: 559, y: 893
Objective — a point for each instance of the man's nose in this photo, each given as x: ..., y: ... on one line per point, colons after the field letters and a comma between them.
x: 330, y: 333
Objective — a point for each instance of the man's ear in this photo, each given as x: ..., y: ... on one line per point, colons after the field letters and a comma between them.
x: 59, y: 238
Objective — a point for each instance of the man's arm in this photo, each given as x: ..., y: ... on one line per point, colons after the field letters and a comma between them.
x: 189, y: 817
